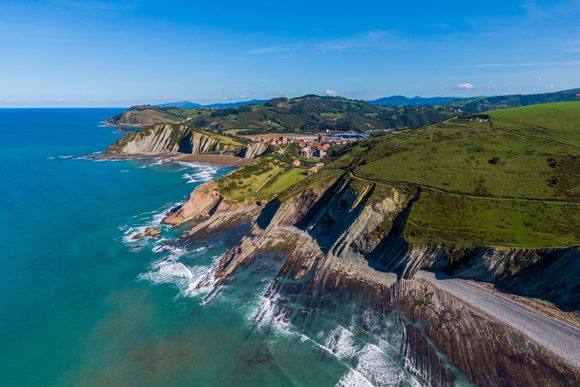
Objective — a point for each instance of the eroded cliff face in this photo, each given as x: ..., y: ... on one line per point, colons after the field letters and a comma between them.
x: 167, y: 138
x: 200, y: 205
x: 342, y: 243
x: 358, y: 226
x: 170, y: 138
x: 549, y: 274
x: 253, y: 150
x: 140, y: 116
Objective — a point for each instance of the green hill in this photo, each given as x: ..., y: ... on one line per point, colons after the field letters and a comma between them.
x: 482, y: 104
x: 553, y: 121
x: 511, y: 182
x: 310, y: 113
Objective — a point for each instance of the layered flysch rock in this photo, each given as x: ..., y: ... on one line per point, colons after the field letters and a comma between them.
x: 253, y: 150
x: 201, y: 203
x: 169, y: 138
x: 343, y: 242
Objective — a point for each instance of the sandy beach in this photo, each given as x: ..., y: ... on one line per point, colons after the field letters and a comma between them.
x: 220, y: 159
x: 229, y: 160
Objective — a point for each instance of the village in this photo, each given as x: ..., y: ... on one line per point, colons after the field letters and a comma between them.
x: 312, y: 146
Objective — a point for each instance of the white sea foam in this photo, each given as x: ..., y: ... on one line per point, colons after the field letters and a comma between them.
x: 198, y: 165
x: 340, y: 342
x: 63, y: 157
x: 353, y: 378
x: 205, y: 276
x: 198, y: 172
x: 171, y: 270
x: 189, y: 178
x: 139, y: 224
x: 372, y: 365
x: 266, y: 314
x: 156, y: 161
x: 168, y: 271
x: 377, y: 367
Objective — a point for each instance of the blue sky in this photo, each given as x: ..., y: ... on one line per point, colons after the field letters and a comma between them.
x: 119, y: 53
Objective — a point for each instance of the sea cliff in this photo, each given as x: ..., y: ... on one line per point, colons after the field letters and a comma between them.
x: 169, y: 138
x: 416, y: 223
x: 343, y: 242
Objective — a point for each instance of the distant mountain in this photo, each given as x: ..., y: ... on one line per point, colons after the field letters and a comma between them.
x: 180, y: 104
x: 235, y: 104
x: 482, y: 104
x: 193, y: 105
x: 400, y: 100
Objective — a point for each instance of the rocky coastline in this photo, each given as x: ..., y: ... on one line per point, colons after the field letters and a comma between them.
x: 332, y: 252
x: 341, y: 241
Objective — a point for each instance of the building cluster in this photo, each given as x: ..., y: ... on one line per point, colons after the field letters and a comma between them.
x: 313, y: 146
x: 473, y: 117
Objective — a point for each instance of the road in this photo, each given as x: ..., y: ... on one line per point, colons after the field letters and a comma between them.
x: 557, y: 336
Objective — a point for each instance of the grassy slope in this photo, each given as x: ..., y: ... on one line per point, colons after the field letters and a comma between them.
x: 226, y: 140
x: 481, y: 104
x: 443, y: 219
x: 470, y: 158
x: 484, y: 185
x: 269, y: 176
x: 554, y: 121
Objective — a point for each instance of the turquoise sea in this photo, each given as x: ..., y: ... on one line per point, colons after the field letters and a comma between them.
x: 81, y: 304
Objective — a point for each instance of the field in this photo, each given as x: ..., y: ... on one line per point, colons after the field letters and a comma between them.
x: 442, y: 219
x: 268, y: 177
x: 227, y: 140
x: 269, y: 136
x: 552, y: 121
x: 512, y: 182
x: 470, y: 158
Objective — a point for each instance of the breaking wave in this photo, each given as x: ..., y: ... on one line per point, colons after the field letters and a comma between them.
x: 63, y: 157
x: 201, y: 172
x: 171, y: 270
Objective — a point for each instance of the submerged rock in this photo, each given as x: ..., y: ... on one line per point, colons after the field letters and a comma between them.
x: 150, y: 232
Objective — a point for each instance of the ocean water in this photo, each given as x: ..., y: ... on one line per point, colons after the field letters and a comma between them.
x: 81, y: 304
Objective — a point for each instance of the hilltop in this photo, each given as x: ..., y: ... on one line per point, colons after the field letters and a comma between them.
x: 399, y: 100
x: 482, y: 104
x: 217, y: 105
x: 310, y: 113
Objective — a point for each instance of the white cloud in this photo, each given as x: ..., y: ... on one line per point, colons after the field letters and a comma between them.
x: 375, y: 38
x: 528, y: 64
x: 535, y: 12
x: 465, y: 86
x: 556, y: 9
x: 551, y: 87
x: 539, y: 78
x: 368, y: 39
x: 99, y: 5
x: 276, y: 49
x: 331, y: 93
